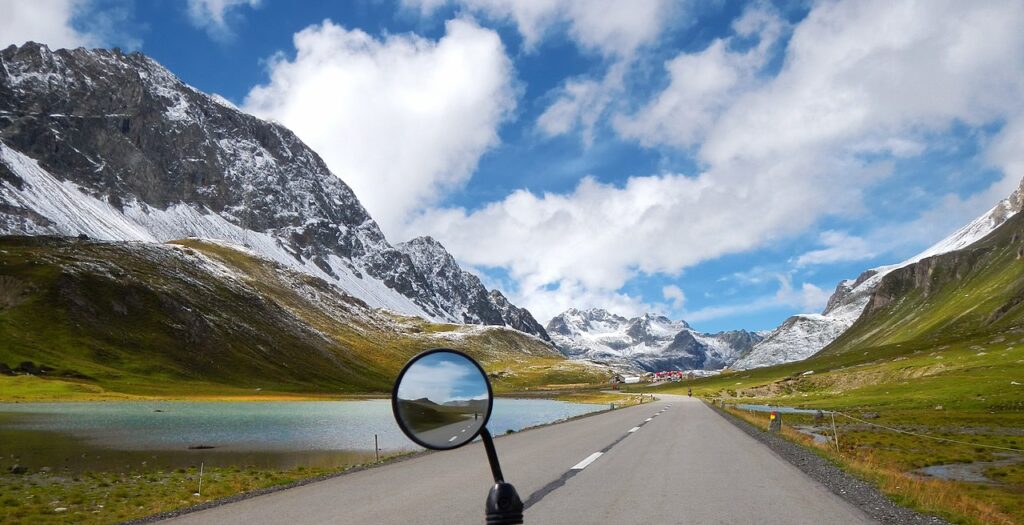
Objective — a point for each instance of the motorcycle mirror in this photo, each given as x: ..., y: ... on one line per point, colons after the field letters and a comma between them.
x: 442, y: 399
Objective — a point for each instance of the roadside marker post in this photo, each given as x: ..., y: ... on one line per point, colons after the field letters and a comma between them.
x: 835, y: 433
x: 774, y: 422
x: 376, y: 449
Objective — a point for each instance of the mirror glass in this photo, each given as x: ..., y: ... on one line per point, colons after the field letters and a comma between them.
x: 442, y: 399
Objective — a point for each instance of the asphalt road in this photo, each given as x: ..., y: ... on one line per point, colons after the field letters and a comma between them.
x: 451, y: 432
x: 672, y: 461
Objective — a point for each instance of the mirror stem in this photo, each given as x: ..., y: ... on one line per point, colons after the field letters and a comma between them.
x: 492, y: 455
x: 503, y: 504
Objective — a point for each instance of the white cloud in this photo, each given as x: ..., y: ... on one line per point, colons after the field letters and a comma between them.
x: 778, y: 154
x: 674, y: 295
x: 838, y: 247
x: 703, y: 84
x: 849, y: 84
x: 214, y: 16
x: 580, y: 102
x: 439, y: 381
x: 400, y: 119
x: 44, y: 21
x: 607, y: 27
x: 600, y: 236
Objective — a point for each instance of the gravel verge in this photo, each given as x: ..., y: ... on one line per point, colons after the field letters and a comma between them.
x: 857, y: 492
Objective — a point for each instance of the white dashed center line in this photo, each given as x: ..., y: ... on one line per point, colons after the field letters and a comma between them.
x: 590, y: 459
x: 453, y: 438
x: 648, y: 419
x: 634, y: 429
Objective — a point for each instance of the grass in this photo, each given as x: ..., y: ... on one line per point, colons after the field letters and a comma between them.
x: 32, y: 388
x: 939, y: 351
x: 595, y: 397
x: 108, y: 497
x: 963, y: 391
x: 154, y: 321
x: 870, y: 456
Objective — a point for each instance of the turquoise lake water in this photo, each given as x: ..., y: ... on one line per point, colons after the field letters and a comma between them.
x: 124, y: 435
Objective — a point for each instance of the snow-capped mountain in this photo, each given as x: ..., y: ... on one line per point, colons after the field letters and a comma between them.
x: 803, y: 335
x: 461, y: 292
x: 115, y: 147
x: 649, y: 342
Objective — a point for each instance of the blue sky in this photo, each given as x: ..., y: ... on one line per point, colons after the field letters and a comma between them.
x: 723, y: 162
x: 442, y: 377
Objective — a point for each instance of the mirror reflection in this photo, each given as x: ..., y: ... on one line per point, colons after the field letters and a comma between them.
x: 443, y: 400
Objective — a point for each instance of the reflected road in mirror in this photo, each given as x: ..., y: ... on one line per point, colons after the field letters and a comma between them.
x: 443, y: 400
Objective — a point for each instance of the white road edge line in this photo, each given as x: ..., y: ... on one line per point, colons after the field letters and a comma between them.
x: 634, y: 429
x: 590, y: 459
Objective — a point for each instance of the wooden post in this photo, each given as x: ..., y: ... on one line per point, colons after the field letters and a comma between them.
x: 835, y: 433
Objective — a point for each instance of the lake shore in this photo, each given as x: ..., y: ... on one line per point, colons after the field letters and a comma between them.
x: 33, y: 389
x: 58, y: 494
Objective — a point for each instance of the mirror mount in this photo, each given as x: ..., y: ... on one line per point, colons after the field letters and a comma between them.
x: 442, y: 400
x: 503, y: 504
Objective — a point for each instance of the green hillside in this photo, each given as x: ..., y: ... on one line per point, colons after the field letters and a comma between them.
x: 198, y: 318
x: 939, y: 351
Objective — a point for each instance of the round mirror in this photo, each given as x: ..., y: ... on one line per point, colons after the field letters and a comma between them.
x: 442, y: 399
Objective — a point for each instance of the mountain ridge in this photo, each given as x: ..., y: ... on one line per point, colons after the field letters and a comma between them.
x: 115, y: 147
x: 803, y: 335
x: 649, y: 342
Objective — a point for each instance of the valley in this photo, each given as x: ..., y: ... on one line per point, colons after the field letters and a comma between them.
x: 937, y: 355
x: 182, y: 281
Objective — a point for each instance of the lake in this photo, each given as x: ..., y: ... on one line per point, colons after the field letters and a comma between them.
x: 146, y: 435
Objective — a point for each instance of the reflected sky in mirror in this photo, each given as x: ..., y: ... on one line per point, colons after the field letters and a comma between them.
x: 443, y: 378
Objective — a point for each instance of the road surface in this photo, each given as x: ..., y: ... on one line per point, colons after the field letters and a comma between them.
x: 450, y: 432
x: 671, y: 461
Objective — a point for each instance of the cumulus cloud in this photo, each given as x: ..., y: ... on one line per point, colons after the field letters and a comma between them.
x: 703, y: 84
x: 777, y: 155
x: 607, y: 27
x: 215, y: 16
x: 401, y: 119
x: 45, y: 21
x: 592, y: 241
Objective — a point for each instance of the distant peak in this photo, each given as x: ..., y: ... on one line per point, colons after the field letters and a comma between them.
x: 425, y: 241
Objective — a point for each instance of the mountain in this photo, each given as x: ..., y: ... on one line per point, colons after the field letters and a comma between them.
x: 197, y: 316
x: 649, y: 342
x: 462, y: 293
x: 115, y: 147
x: 803, y: 335
x: 973, y: 294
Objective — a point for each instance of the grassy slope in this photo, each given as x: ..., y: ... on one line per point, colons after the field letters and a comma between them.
x: 200, y: 319
x: 940, y: 351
